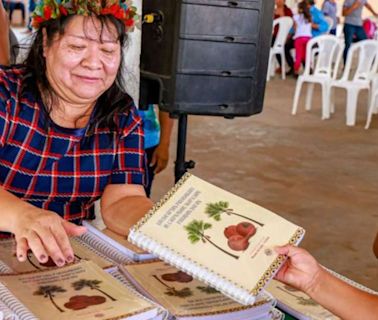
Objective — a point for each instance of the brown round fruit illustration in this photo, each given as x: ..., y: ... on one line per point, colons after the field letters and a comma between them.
x: 178, y: 276
x: 230, y: 231
x: 238, y: 242
x: 246, y: 229
x: 81, y: 302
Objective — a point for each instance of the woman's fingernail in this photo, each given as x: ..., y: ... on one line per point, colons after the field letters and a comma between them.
x: 70, y: 258
x: 42, y: 257
x: 60, y: 262
x: 20, y: 256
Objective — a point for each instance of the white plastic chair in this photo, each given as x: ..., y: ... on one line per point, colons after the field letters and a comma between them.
x: 367, y: 52
x: 373, y: 103
x: 284, y: 25
x: 329, y: 53
x: 330, y: 23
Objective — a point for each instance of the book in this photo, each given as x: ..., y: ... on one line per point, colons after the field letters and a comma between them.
x: 297, y: 303
x: 93, y: 245
x: 217, y: 237
x: 82, y: 251
x: 300, y: 305
x: 78, y: 291
x: 119, y: 243
x: 186, y: 298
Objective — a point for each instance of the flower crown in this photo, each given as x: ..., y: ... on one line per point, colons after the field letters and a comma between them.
x: 54, y: 9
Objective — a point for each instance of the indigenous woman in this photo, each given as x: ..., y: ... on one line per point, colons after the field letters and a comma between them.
x: 69, y: 134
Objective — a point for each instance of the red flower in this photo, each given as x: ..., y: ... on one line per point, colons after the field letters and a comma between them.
x: 47, y: 13
x: 129, y: 23
x: 37, y: 21
x: 63, y: 11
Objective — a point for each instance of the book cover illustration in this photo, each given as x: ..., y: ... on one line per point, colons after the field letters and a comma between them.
x: 298, y: 303
x: 79, y: 291
x: 182, y: 295
x: 219, y: 231
x: 9, y: 258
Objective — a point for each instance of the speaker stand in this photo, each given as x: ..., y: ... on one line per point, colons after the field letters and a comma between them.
x: 182, y: 166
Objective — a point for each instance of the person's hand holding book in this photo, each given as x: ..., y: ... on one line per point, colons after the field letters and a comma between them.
x: 301, y: 270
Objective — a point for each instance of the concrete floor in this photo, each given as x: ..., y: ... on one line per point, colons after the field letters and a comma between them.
x: 319, y: 174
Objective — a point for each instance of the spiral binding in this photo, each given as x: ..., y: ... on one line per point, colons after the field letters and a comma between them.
x: 4, y: 268
x: 242, y: 295
x: 118, y: 275
x: 15, y: 305
x: 102, y: 249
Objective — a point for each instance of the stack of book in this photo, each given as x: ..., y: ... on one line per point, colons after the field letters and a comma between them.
x: 200, y: 253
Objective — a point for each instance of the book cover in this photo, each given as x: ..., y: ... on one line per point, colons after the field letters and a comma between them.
x: 78, y: 291
x: 216, y: 236
x: 187, y: 298
x: 11, y: 264
x: 297, y: 303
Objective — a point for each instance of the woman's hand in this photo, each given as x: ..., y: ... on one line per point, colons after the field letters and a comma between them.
x: 301, y: 270
x: 160, y: 158
x: 46, y: 234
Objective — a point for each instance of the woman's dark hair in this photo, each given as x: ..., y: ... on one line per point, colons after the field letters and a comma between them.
x: 303, y: 8
x: 111, y: 102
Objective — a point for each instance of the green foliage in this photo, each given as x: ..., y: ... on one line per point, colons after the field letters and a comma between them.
x: 207, y: 289
x: 306, y: 301
x: 47, y: 291
x: 196, y: 230
x: 182, y: 293
x: 215, y: 210
x: 82, y: 283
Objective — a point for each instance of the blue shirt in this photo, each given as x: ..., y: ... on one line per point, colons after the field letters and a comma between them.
x: 151, y: 127
x: 318, y: 18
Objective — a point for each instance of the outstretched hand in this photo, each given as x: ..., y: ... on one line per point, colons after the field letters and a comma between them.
x: 301, y: 270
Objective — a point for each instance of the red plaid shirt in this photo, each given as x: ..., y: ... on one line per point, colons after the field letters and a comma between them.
x: 55, y: 169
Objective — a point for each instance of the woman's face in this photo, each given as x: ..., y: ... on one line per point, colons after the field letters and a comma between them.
x: 81, y: 65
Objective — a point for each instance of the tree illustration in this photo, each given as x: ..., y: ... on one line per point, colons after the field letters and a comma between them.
x: 302, y: 301
x: 196, y: 232
x: 172, y: 291
x: 207, y: 289
x: 92, y: 284
x: 49, y: 291
x: 215, y: 210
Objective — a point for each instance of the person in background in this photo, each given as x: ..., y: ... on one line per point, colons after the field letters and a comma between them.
x: 353, y: 25
x: 304, y: 273
x: 157, y: 136
x: 282, y: 10
x: 12, y: 5
x: 329, y: 9
x: 303, y: 34
x: 319, y: 23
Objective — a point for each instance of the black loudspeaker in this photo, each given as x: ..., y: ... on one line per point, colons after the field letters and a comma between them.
x: 209, y: 57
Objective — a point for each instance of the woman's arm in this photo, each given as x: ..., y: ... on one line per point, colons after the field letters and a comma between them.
x: 122, y: 205
x: 43, y: 232
x: 303, y: 272
x: 4, y: 37
x: 371, y: 9
x: 160, y: 156
x: 348, y: 10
